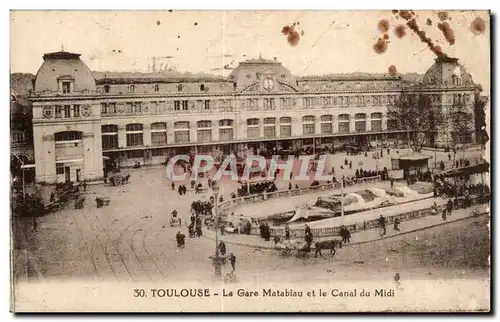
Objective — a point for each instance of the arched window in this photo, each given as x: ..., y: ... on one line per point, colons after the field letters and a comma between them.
x: 157, y: 88
x: 225, y: 130
x: 109, y: 135
x: 269, y: 127
x: 179, y: 88
x: 134, y: 134
x: 326, y: 124
x: 204, y: 132
x: 131, y: 88
x: 344, y: 120
x: 253, y: 128
x: 202, y: 87
x: 159, y: 133
x: 376, y: 122
x: 308, y: 125
x: 68, y: 136
x: 181, y: 132
x: 106, y: 88
x: 360, y: 122
x: 285, y: 126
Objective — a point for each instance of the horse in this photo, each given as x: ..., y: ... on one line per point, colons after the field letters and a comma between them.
x: 327, y: 244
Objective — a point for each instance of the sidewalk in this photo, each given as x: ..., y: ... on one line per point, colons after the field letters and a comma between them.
x: 361, y: 237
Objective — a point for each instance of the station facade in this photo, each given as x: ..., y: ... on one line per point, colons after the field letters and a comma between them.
x: 80, y: 123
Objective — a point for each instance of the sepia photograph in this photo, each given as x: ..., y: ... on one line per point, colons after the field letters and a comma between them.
x: 250, y: 161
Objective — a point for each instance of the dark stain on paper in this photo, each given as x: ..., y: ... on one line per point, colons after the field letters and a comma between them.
x: 478, y: 26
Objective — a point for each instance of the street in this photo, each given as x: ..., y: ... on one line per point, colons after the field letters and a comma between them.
x: 131, y: 240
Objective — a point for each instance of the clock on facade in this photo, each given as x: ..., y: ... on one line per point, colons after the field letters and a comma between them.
x: 268, y: 83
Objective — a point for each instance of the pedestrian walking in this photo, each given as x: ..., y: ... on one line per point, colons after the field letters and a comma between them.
x: 396, y: 224
x: 392, y: 183
x: 173, y: 186
x: 350, y: 165
x: 52, y: 197
x: 180, y: 237
x: 381, y: 221
x: 232, y: 260
x: 287, y: 231
x: 84, y: 186
x: 35, y: 224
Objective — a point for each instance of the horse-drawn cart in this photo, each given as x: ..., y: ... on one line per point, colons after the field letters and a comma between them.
x: 102, y: 201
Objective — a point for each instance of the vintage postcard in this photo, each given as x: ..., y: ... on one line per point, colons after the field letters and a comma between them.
x: 250, y: 161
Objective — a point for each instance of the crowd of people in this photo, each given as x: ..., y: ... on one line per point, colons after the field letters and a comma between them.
x: 256, y: 188
x: 360, y: 173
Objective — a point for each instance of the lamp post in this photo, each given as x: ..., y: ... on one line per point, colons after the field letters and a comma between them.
x: 216, y: 258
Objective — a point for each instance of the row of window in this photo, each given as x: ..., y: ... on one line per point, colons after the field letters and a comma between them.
x: 131, y: 88
x: 250, y: 104
x: 67, y: 111
x: 134, y: 132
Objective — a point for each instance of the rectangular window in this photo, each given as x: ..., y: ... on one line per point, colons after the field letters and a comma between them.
x: 58, y: 111
x: 360, y: 126
x: 269, y: 132
x: 76, y: 110
x: 159, y: 138
x: 184, y: 105
x: 343, y: 127
x: 326, y: 128
x: 177, y: 105
x: 308, y: 129
x: 112, y: 108
x: 59, y: 168
x: 181, y: 136
x: 66, y: 87
x: 206, y: 104
x: 130, y: 108
x: 204, y: 135
x: 253, y: 132
x: 285, y: 130
x: 104, y: 108
x: 134, y: 139
x: 225, y: 134
x: 138, y: 107
x: 67, y: 111
x: 109, y: 142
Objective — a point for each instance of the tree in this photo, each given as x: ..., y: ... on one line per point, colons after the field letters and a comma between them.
x: 416, y: 114
x: 480, y: 119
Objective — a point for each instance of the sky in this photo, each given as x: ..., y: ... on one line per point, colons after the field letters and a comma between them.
x: 206, y: 41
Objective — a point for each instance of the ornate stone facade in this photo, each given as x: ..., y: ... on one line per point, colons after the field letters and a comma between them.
x: 260, y: 104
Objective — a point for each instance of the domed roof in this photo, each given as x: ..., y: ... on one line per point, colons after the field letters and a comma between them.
x: 253, y: 70
x: 64, y: 65
x: 457, y: 72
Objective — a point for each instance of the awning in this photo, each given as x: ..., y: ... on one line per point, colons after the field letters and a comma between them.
x: 27, y: 166
x: 415, y: 156
x: 105, y: 157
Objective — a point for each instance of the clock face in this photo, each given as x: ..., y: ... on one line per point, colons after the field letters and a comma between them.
x: 268, y: 83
